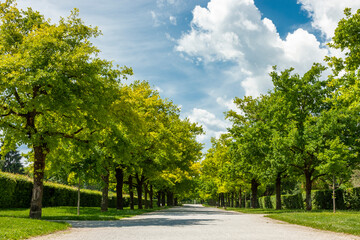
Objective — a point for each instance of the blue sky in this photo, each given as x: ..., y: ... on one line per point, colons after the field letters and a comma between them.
x: 201, y: 53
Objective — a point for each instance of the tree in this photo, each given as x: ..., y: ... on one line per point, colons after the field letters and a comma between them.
x: 11, y: 162
x: 52, y: 83
x: 302, y: 100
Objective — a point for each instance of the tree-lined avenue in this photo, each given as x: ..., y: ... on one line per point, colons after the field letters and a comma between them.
x: 193, y: 222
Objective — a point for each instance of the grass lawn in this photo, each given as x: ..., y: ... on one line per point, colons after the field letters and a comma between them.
x: 15, y: 223
x: 20, y: 228
x: 341, y: 221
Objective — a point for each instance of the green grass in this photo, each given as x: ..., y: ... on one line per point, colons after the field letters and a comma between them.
x: 344, y: 221
x: 341, y: 221
x: 69, y: 213
x: 15, y: 223
x: 20, y: 228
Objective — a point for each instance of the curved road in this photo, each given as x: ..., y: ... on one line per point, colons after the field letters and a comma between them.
x: 192, y: 222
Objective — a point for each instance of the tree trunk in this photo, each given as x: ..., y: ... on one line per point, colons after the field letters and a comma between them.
x: 139, y: 186
x: 119, y: 174
x: 278, y: 191
x: 170, y: 199
x: 175, y: 201
x: 163, y: 198
x: 158, y: 198
x: 131, y: 193
x: 105, y: 192
x: 254, y: 190
x: 308, y: 186
x: 240, y: 198
x: 232, y: 199
x: 40, y: 153
x: 151, y: 196
x: 78, y: 201
x: 245, y: 199
x: 333, y: 195
x: 146, y: 196
x: 222, y: 197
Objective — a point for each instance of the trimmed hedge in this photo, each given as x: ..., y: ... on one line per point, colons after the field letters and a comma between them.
x: 321, y: 199
x: 15, y: 192
x: 287, y: 201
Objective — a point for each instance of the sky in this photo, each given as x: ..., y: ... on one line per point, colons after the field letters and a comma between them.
x: 202, y: 53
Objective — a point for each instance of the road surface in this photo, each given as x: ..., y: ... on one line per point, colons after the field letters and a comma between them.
x: 192, y: 222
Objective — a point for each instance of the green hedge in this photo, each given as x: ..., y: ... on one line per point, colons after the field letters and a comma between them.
x: 288, y: 201
x: 16, y: 193
x: 321, y: 199
x: 292, y: 201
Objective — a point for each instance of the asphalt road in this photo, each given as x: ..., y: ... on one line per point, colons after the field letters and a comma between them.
x: 192, y: 222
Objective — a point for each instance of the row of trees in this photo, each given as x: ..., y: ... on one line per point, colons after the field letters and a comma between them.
x: 64, y: 102
x: 305, y: 128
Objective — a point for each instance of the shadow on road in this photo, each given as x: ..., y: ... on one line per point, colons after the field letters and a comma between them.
x: 178, y: 216
x: 139, y: 223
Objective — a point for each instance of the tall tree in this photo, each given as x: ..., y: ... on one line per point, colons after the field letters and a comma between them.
x: 52, y: 83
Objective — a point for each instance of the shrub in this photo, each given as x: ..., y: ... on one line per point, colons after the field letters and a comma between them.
x: 352, y: 198
x: 16, y: 193
x: 322, y: 199
x: 292, y: 201
x: 266, y: 202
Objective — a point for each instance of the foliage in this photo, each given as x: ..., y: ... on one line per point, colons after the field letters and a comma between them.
x: 16, y: 191
x: 11, y: 162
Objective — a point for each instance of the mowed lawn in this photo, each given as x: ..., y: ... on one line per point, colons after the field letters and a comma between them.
x: 16, y: 224
x: 341, y: 221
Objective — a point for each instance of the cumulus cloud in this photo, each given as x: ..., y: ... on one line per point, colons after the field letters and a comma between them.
x: 212, y: 125
x: 326, y: 14
x: 233, y: 31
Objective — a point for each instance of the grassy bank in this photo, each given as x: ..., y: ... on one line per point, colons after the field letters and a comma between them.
x: 341, y: 221
x: 15, y: 223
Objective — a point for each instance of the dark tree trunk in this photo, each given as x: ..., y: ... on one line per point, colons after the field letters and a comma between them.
x: 105, y: 192
x: 278, y: 191
x: 158, y: 198
x: 240, y: 198
x: 308, y: 186
x: 139, y: 186
x: 163, y: 198
x: 151, y: 196
x: 170, y: 199
x: 232, y: 199
x: 222, y: 197
x: 131, y: 193
x: 175, y: 201
x: 254, y: 190
x: 40, y: 153
x: 119, y: 173
x: 146, y: 195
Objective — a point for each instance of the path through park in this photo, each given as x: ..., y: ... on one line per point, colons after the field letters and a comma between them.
x: 192, y: 222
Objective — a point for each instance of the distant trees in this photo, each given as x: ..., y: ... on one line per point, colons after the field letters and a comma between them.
x: 11, y: 162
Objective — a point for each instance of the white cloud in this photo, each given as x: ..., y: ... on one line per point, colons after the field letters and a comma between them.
x: 326, y: 14
x: 233, y: 31
x: 172, y: 20
x: 212, y: 126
